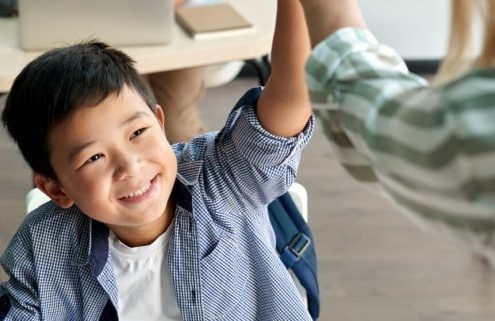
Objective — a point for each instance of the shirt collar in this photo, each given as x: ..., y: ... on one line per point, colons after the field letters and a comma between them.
x: 92, y: 246
x: 188, y: 172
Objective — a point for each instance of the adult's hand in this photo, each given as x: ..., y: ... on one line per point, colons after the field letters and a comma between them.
x: 326, y: 16
x: 177, y: 3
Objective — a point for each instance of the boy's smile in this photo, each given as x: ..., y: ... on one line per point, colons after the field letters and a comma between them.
x: 114, y: 162
x: 141, y: 194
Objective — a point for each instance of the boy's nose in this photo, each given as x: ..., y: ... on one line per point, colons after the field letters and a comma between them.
x: 127, y: 166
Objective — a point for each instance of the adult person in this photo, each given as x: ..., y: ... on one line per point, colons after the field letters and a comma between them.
x: 430, y: 147
x: 180, y: 92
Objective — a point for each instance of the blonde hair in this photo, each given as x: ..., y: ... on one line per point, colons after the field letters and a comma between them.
x: 461, y: 56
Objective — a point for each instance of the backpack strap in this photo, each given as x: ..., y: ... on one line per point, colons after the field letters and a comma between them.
x: 296, y: 247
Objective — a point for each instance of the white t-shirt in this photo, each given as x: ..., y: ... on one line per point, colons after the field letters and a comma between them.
x: 143, y: 281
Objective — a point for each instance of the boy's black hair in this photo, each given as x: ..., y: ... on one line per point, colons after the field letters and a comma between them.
x: 50, y: 88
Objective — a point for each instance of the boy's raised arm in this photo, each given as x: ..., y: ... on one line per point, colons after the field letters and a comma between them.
x: 284, y: 108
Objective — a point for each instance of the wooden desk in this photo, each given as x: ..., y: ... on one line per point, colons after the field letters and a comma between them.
x: 182, y: 52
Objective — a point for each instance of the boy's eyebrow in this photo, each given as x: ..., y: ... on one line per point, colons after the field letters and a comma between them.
x: 76, y: 150
x: 133, y: 117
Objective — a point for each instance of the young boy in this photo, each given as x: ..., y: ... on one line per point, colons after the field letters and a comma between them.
x: 141, y: 229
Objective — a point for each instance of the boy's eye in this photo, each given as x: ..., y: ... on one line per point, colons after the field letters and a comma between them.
x: 94, y: 158
x: 138, y: 132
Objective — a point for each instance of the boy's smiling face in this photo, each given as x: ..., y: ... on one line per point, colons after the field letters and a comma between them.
x: 114, y: 162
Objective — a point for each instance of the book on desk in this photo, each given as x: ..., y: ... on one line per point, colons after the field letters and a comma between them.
x: 212, y: 21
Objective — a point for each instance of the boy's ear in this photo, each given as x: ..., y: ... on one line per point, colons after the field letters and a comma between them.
x: 52, y: 188
x: 160, y: 116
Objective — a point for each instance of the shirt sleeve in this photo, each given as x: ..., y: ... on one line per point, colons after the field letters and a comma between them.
x: 247, y: 163
x: 18, y: 295
x: 350, y: 77
x: 428, y: 146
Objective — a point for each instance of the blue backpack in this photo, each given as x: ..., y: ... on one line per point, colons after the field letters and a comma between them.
x: 296, y: 247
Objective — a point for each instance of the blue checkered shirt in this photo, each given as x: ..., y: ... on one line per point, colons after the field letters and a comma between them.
x: 221, y: 256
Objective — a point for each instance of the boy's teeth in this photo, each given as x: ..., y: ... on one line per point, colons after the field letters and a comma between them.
x: 139, y: 192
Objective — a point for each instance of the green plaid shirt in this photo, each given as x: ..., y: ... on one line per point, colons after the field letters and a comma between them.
x: 431, y: 148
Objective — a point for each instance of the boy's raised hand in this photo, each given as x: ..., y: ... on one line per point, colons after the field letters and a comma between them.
x: 284, y: 107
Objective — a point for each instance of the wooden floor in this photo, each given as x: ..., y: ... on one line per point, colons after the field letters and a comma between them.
x: 375, y: 265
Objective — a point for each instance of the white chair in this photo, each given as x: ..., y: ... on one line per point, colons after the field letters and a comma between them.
x: 35, y: 198
x: 300, y: 197
x: 220, y: 74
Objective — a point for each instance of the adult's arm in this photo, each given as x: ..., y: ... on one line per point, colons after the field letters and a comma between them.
x: 324, y: 17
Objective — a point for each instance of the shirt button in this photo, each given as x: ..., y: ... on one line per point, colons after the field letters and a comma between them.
x: 193, y: 296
